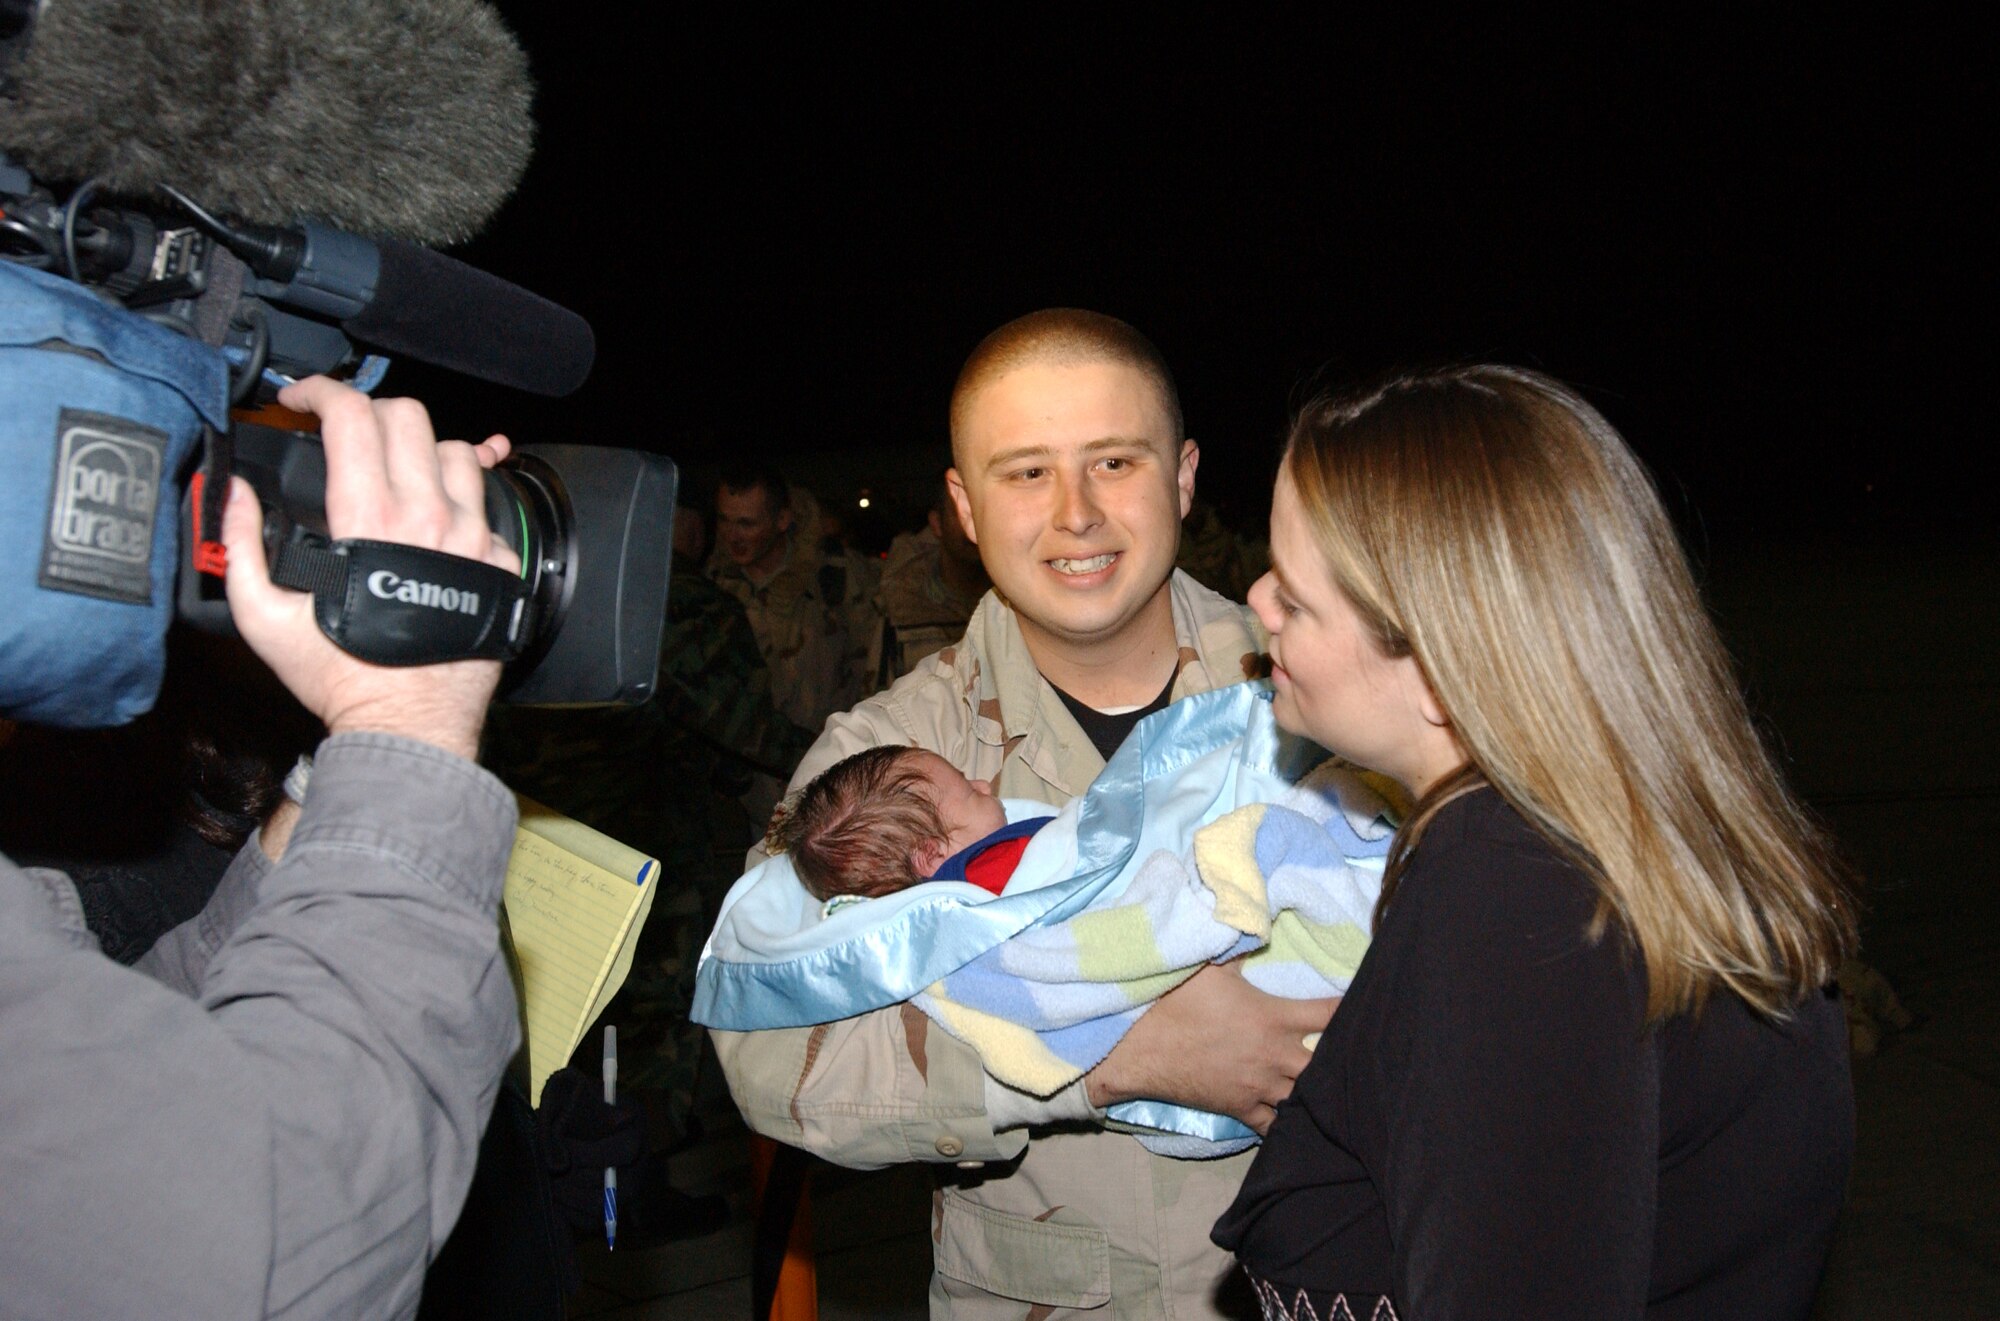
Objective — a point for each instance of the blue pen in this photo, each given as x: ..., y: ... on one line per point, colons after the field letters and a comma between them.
x: 610, y: 1173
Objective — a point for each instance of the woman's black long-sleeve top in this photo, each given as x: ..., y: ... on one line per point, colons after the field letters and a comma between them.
x: 1488, y: 1129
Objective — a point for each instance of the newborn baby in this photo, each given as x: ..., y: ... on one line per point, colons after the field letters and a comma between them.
x: 1201, y: 841
x: 887, y: 818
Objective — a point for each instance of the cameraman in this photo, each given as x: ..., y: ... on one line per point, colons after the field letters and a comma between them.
x: 286, y: 1121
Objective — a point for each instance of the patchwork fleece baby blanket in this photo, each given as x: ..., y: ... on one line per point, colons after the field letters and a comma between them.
x: 1208, y: 835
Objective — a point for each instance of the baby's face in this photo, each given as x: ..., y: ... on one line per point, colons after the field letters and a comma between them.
x: 968, y: 807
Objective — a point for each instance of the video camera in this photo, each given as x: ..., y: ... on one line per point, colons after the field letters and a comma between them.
x: 133, y: 337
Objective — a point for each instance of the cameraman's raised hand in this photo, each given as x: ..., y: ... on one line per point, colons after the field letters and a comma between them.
x: 387, y: 479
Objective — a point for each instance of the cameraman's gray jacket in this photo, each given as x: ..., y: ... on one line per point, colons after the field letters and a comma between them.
x: 287, y: 1126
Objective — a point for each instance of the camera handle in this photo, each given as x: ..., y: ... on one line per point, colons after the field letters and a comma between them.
x: 403, y: 605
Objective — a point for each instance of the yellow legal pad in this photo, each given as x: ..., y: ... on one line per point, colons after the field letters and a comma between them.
x: 576, y: 900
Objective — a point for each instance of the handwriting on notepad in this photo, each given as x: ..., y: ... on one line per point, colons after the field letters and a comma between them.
x: 537, y: 888
x: 574, y: 919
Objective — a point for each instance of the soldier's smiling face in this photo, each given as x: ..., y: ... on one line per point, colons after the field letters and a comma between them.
x: 1073, y: 484
x: 751, y: 533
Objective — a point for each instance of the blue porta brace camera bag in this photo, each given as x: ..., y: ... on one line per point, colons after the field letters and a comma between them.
x: 102, y: 412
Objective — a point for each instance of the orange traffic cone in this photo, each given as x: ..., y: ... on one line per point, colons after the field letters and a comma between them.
x: 783, y: 1284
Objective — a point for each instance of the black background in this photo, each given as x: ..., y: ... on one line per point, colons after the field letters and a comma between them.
x: 1752, y: 241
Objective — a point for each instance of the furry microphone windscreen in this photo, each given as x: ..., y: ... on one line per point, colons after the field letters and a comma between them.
x: 392, y: 118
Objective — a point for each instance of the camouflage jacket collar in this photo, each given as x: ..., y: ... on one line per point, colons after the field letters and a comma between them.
x: 793, y: 567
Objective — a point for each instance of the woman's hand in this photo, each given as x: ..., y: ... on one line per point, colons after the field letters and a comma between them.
x: 1214, y: 1042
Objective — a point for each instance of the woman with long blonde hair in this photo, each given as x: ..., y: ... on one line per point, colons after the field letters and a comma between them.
x: 1589, y: 1066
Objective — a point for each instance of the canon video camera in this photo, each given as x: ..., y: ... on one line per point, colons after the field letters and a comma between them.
x: 252, y: 308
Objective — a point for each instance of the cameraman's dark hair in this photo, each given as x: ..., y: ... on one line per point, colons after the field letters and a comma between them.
x: 240, y: 733
x: 853, y: 829
x: 741, y: 477
x: 229, y: 794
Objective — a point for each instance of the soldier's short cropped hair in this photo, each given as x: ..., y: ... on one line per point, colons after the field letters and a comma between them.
x: 854, y: 828
x: 1064, y: 336
x: 741, y: 477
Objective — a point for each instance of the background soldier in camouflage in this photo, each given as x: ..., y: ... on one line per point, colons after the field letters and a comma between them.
x: 665, y: 778
x: 929, y: 588
x: 848, y: 580
x: 1216, y: 557
x: 766, y: 560
x: 770, y: 564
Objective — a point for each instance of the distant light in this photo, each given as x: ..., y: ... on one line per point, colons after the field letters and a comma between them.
x: 864, y: 502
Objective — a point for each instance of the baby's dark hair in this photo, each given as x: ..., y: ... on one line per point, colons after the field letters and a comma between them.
x: 852, y: 830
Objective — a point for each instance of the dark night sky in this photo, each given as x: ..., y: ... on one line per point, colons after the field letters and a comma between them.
x: 1748, y: 241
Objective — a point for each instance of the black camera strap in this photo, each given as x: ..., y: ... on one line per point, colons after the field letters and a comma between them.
x: 218, y: 460
x: 403, y: 605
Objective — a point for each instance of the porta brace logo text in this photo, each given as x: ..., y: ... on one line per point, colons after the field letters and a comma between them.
x: 410, y: 591
x: 109, y: 487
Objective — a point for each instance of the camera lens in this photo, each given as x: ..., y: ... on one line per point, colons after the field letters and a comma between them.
x: 528, y: 509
